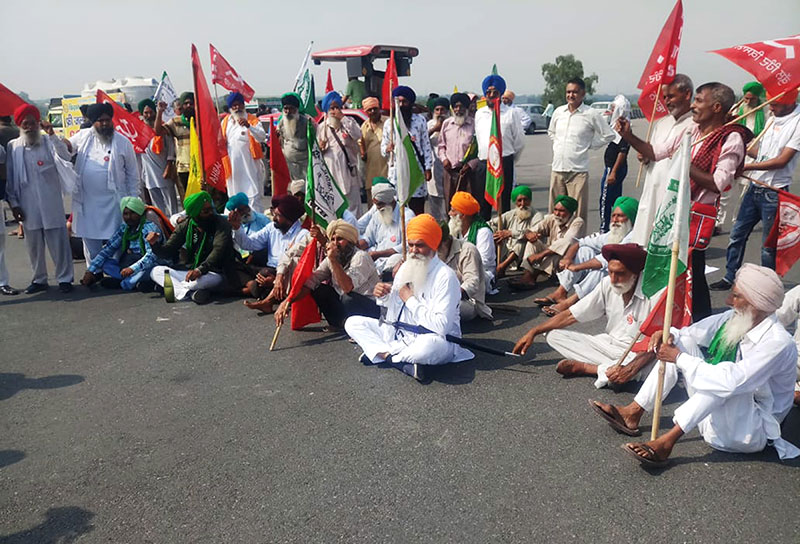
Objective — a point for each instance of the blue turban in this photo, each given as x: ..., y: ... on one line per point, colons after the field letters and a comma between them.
x: 239, y: 199
x: 494, y: 81
x: 329, y: 99
x: 234, y: 97
x: 406, y: 92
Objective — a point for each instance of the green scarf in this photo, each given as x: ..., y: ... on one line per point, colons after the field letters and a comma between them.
x: 133, y: 236
x: 184, y: 120
x: 720, y: 351
x: 758, y: 125
x: 194, y: 254
x: 477, y: 223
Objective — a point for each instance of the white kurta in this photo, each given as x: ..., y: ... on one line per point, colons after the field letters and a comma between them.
x: 736, y: 405
x: 247, y: 173
x: 162, y: 191
x: 591, y: 247
x: 380, y: 236
x: 789, y: 316
x: 348, y: 180
x: 106, y: 173
x: 436, y: 309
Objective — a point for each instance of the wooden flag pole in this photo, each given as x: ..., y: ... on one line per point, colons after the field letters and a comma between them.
x: 403, y: 228
x: 216, y: 99
x: 649, y: 132
x: 757, y: 139
x: 630, y: 347
x: 275, y: 337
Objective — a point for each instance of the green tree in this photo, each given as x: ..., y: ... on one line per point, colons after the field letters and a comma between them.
x: 556, y: 76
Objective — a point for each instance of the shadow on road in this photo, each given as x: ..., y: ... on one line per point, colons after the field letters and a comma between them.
x: 61, y: 526
x: 13, y: 383
x: 9, y: 457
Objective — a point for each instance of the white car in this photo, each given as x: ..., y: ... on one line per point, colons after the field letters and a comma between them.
x: 534, y: 111
x: 606, y: 109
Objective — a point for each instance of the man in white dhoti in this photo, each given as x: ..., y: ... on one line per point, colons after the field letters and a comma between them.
x: 789, y: 316
x: 678, y: 99
x: 421, y: 309
x: 244, y: 134
x: 383, y: 237
x: 464, y: 258
x: 619, y: 298
x: 467, y: 223
x: 38, y: 174
x: 158, y: 162
x: 338, y: 137
x: 107, y: 171
x: 740, y: 390
x: 583, y: 265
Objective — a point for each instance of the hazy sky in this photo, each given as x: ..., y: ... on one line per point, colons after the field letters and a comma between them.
x: 55, y: 47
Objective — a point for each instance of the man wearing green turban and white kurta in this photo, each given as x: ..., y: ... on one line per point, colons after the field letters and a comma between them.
x: 516, y: 224
x: 549, y: 241
x: 127, y: 258
x: 210, y: 254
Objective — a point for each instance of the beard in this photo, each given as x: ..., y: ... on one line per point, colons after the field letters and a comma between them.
x: 290, y: 123
x: 737, y: 326
x: 560, y: 221
x: 32, y: 137
x: 239, y: 115
x: 406, y: 113
x: 523, y: 214
x: 333, y: 122
x: 248, y: 217
x: 624, y: 287
x: 618, y: 231
x: 387, y: 215
x: 346, y: 254
x: 456, y: 225
x: 414, y: 271
x: 105, y: 135
x: 459, y: 120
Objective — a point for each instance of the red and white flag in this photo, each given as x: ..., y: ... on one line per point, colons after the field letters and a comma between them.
x: 128, y: 124
x: 661, y: 67
x: 224, y: 74
x: 214, y: 149
x: 785, y: 234
x: 389, y: 83
x: 774, y: 63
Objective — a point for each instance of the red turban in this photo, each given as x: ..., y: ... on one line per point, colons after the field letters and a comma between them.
x: 789, y: 98
x: 24, y: 111
x: 465, y: 203
x: 630, y: 255
x: 424, y: 227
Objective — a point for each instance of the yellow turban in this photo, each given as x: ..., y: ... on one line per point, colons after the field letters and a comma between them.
x: 342, y: 228
x: 424, y: 227
x: 465, y: 203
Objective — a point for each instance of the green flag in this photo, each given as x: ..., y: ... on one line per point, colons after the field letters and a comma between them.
x: 305, y: 89
x: 671, y: 224
x: 323, y: 197
x: 408, y: 171
x: 494, y: 161
x: 494, y: 69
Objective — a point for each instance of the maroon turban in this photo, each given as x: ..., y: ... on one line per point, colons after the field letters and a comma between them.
x: 291, y: 208
x: 630, y: 255
x: 25, y: 110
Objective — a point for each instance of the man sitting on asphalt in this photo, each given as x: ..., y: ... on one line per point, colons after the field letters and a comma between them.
x: 516, y: 224
x: 383, y: 237
x: 252, y: 222
x: 739, y: 392
x: 421, y: 309
x: 127, y: 258
x: 343, y: 283
x: 467, y: 223
x: 789, y: 316
x: 464, y: 258
x: 560, y: 229
x: 619, y: 298
x: 583, y: 265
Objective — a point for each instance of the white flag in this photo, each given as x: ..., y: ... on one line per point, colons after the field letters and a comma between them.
x: 322, y: 192
x: 303, y: 66
x: 166, y: 93
x: 408, y: 171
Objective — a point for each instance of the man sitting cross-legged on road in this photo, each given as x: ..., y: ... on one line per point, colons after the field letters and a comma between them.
x: 421, y: 309
x: 618, y: 297
x: 739, y: 391
x: 516, y: 224
x: 464, y: 258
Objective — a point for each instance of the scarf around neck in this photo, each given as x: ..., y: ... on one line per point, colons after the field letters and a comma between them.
x: 477, y: 223
x: 719, y: 350
x: 134, y: 236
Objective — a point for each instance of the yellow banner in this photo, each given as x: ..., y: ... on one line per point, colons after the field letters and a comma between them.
x: 71, y: 111
x: 195, y: 183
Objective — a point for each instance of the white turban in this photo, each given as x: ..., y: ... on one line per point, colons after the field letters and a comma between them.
x: 383, y: 192
x: 297, y: 186
x: 761, y: 286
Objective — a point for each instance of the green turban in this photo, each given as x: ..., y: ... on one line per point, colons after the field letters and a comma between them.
x: 521, y: 190
x: 194, y: 203
x: 146, y: 102
x: 753, y: 87
x: 568, y: 202
x: 628, y: 205
x: 133, y: 203
x: 186, y: 95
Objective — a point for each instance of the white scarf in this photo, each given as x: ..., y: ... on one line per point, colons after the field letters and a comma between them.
x: 66, y: 173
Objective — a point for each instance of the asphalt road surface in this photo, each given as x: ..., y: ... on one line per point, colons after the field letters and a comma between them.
x: 125, y: 419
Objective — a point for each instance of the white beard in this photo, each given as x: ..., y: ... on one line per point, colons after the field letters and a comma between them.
x: 459, y: 120
x: 239, y: 115
x: 618, y: 231
x: 560, y: 221
x: 456, y: 225
x: 386, y: 214
x: 737, y: 326
x: 523, y: 214
x: 334, y: 122
x: 413, y: 271
x: 290, y: 124
x: 625, y: 287
x: 32, y: 138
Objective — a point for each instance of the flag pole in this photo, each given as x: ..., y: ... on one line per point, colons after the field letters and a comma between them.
x: 752, y: 144
x: 216, y: 98
x: 403, y: 227
x: 649, y: 132
x: 630, y: 347
x: 275, y: 337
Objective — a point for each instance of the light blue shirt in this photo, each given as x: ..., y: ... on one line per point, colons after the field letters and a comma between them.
x: 270, y: 238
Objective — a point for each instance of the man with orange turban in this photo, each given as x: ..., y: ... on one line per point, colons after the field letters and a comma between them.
x: 467, y: 223
x: 369, y: 145
x: 422, y: 308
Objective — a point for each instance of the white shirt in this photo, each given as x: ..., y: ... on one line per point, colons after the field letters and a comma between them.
x: 270, y: 237
x: 380, y: 236
x: 524, y: 119
x: 418, y: 131
x: 784, y: 132
x: 510, y: 128
x: 788, y: 314
x: 574, y: 134
x: 153, y: 164
x: 247, y: 173
x: 596, y: 241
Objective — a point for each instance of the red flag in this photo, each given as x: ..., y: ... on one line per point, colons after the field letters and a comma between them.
x: 329, y: 84
x: 304, y: 311
x: 774, y: 63
x: 277, y: 164
x: 224, y: 74
x: 785, y: 234
x: 389, y: 82
x: 214, y: 149
x: 9, y: 101
x: 661, y: 66
x: 681, y: 310
x: 128, y: 124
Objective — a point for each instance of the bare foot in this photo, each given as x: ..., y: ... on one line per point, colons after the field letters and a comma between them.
x: 571, y: 368
x: 265, y: 305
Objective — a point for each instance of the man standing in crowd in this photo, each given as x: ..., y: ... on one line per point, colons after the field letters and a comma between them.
x: 370, y: 144
x: 244, y: 134
x: 292, y: 129
x: 158, y: 163
x: 178, y: 128
x: 455, y: 140
x: 338, y: 137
